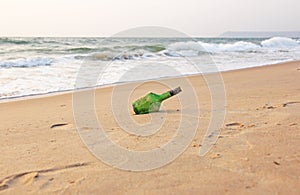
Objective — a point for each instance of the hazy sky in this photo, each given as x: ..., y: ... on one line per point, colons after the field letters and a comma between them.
x: 107, y: 17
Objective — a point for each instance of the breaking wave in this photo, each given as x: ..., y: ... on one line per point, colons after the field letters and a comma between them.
x: 280, y: 42
x: 194, y: 48
x: 26, y: 63
x: 13, y: 41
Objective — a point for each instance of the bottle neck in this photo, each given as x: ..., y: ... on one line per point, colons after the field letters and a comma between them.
x: 165, y: 95
x: 171, y: 93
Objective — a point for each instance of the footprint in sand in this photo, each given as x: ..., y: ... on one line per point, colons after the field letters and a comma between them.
x: 29, y: 178
x: 290, y: 103
x: 292, y: 107
x: 25, y: 178
x: 3, y: 186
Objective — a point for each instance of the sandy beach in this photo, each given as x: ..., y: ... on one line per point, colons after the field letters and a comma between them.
x: 258, y: 150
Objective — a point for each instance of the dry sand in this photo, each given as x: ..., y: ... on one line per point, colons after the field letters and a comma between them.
x: 258, y: 150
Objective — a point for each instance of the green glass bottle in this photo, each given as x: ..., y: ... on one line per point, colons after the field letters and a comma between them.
x: 151, y: 102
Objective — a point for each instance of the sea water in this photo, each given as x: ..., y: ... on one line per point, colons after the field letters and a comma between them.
x: 31, y: 66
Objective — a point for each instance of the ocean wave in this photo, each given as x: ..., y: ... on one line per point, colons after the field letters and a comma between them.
x: 195, y: 48
x: 26, y: 63
x: 80, y: 49
x: 149, y: 48
x: 240, y: 46
x: 44, y: 65
x: 280, y: 42
x: 190, y: 45
x: 213, y: 47
x: 14, y: 41
x: 139, y: 50
x: 154, y: 48
x: 107, y: 55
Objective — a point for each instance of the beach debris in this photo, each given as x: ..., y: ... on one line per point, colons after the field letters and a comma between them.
x: 276, y: 163
x: 58, y: 125
x: 151, y: 102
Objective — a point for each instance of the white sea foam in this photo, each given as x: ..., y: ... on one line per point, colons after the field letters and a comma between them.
x: 26, y: 63
x: 280, y: 42
x: 190, y: 45
x: 239, y: 46
x: 213, y: 47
